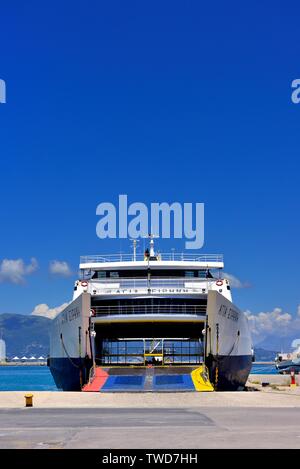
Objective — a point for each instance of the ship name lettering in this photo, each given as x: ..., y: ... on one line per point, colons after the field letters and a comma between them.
x: 152, y: 290
x: 64, y: 318
x: 233, y: 314
x: 222, y: 311
x: 70, y: 315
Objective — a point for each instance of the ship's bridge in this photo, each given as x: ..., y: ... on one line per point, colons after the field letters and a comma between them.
x: 172, y: 274
x: 125, y: 271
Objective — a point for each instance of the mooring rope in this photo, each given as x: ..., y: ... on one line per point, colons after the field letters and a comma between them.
x: 234, y: 344
x: 66, y: 352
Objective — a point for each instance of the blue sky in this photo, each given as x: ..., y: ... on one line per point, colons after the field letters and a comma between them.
x: 163, y: 101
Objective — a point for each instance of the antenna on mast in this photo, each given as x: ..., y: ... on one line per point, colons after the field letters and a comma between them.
x: 134, y: 244
x: 151, y: 237
x: 173, y: 251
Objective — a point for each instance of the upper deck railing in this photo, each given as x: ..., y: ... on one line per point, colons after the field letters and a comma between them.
x: 173, y: 256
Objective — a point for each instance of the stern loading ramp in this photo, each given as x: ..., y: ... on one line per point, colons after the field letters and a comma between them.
x: 149, y: 379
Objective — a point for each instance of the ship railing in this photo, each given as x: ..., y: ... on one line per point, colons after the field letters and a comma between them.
x: 173, y: 256
x: 113, y: 310
x: 161, y: 282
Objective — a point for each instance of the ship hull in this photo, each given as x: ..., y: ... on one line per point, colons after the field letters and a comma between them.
x: 69, y: 374
x: 288, y: 366
x: 70, y: 351
x: 227, y: 353
x: 229, y: 373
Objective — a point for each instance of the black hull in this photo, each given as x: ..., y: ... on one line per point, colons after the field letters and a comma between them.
x: 233, y: 371
x: 70, y: 375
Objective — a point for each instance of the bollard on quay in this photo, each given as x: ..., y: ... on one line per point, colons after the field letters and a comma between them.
x: 28, y: 400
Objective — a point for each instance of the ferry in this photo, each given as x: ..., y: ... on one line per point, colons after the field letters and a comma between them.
x: 285, y: 362
x: 148, y: 322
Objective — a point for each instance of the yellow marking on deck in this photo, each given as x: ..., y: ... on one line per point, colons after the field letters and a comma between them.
x: 200, y: 379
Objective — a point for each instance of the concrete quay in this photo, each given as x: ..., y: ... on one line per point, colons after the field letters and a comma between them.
x: 262, y: 417
x: 268, y: 397
x: 278, y: 379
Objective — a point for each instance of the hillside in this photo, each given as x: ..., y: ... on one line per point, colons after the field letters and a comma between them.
x: 25, y: 335
x: 262, y: 355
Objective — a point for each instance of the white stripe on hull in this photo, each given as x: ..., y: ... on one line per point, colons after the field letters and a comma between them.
x: 234, y: 333
x: 67, y: 323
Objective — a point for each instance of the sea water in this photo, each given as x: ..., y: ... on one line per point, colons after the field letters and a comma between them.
x: 264, y: 369
x: 39, y: 378
x: 26, y: 378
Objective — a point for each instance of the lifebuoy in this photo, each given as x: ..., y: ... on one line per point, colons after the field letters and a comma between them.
x: 93, y: 312
x: 84, y: 284
x: 219, y: 283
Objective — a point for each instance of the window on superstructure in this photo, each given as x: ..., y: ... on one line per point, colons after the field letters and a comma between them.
x: 202, y: 273
x: 101, y: 274
x: 114, y: 274
x: 189, y: 273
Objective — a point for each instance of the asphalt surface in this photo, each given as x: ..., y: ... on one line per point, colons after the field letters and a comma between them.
x: 173, y: 428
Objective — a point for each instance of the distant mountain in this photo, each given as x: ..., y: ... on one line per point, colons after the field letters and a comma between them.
x: 25, y: 335
x: 274, y: 342
x: 262, y: 355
